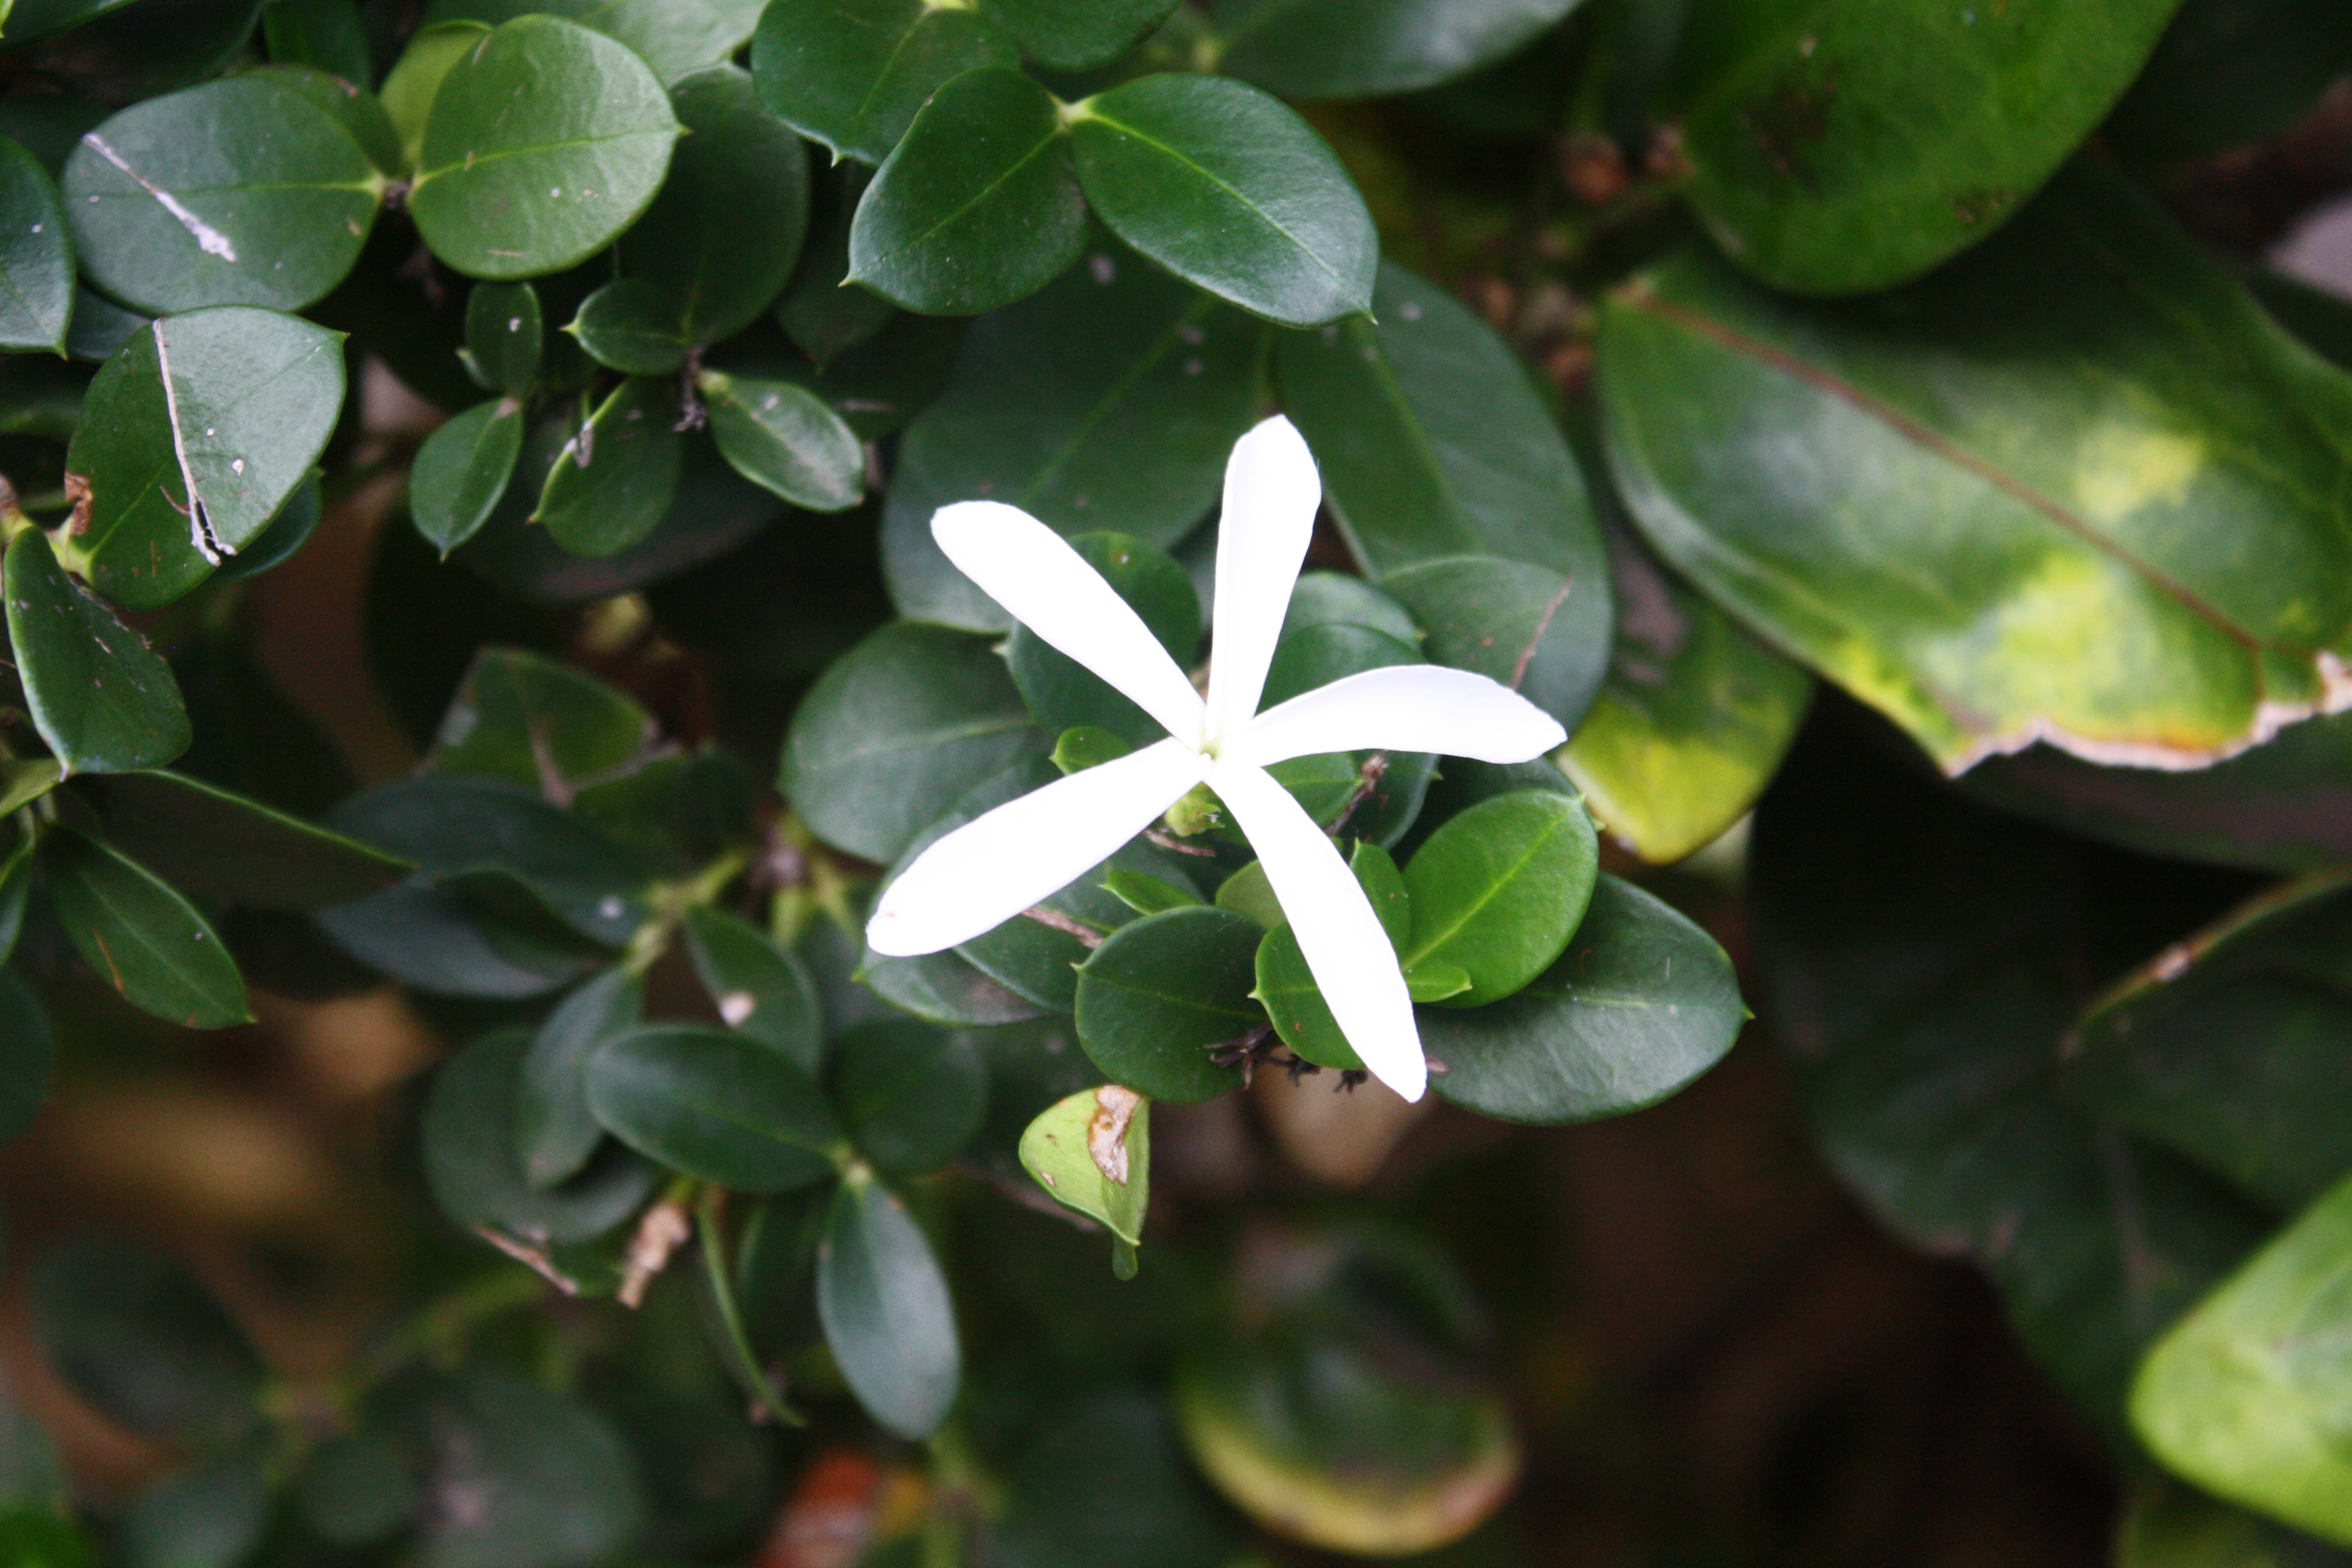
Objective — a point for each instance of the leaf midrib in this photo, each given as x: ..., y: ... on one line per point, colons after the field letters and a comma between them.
x: 1229, y: 188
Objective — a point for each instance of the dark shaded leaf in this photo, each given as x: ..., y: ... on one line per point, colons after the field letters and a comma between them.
x: 100, y: 696
x: 715, y: 1105
x: 885, y: 1310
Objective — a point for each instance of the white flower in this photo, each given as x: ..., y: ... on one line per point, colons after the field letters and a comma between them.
x: 990, y: 869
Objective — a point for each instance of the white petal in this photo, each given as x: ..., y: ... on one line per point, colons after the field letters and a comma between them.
x: 1032, y: 571
x: 1271, y: 492
x: 1346, y: 950
x: 1404, y: 707
x: 994, y: 866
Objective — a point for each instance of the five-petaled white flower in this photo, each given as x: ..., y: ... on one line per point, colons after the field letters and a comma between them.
x: 992, y: 868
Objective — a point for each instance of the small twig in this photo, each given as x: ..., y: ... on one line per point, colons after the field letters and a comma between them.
x: 1169, y: 841
x: 1088, y: 937
x: 1368, y: 779
x: 663, y: 1229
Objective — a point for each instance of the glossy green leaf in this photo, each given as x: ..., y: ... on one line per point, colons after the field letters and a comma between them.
x: 617, y: 475
x: 100, y: 696
x: 1369, y: 48
x: 530, y: 720
x: 131, y: 1332
x: 1226, y: 188
x: 1077, y: 35
x: 674, y: 37
x: 889, y: 737
x: 475, y: 1167
x: 1497, y: 891
x: 193, y: 436
x: 1063, y: 693
x: 36, y: 258
x: 287, y: 531
x: 2246, y: 1396
x: 462, y: 472
x: 1248, y: 893
x: 714, y: 1105
x: 1109, y: 400
x: 211, y: 1515
x: 27, y: 1056
x: 1334, y: 598
x: 1838, y: 151
x: 1996, y: 543
x: 1145, y: 894
x: 1690, y: 722
x: 554, y: 1132
x: 978, y: 206
x: 415, y: 79
x: 633, y: 325
x: 239, y: 192
x: 757, y: 988
x: 1159, y: 994
x: 885, y: 1310
x: 504, y: 334
x: 851, y: 74
x: 326, y: 35
x: 1083, y: 746
x: 211, y: 843
x: 1092, y: 1152
x: 141, y: 937
x: 1519, y: 624
x: 358, y: 111
x: 723, y: 235
x: 910, y: 1094
x: 543, y: 143
x: 786, y: 440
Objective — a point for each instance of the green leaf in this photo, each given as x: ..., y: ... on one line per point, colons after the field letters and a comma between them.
x: 633, y: 325
x: 1370, y: 49
x: 193, y: 436
x: 27, y: 1055
x: 41, y: 1539
x: 2246, y: 1396
x: 1847, y: 149
x: 1641, y: 1002
x: 757, y: 988
x: 211, y: 1515
x: 213, y: 843
x: 1112, y: 399
x: 2230, y: 72
x: 1286, y: 988
x: 2171, y: 1526
x: 100, y: 696
x: 1147, y: 895
x: 2128, y: 564
x: 1057, y: 1510
x: 978, y: 206
x: 851, y: 74
x: 473, y: 1166
x: 1077, y: 35
x: 1373, y: 795
x: 786, y: 439
x: 415, y: 79
x: 897, y: 728
x: 240, y: 191
x: 143, y: 938
x: 1228, y: 189
x: 1159, y: 992
x: 505, y: 333
x: 1497, y: 891
x: 1434, y: 443
x: 529, y: 721
x: 1248, y: 893
x: 1092, y: 1152
x: 1690, y: 721
x: 715, y: 1105
x: 131, y: 1332
x: 358, y: 111
x: 885, y: 1310
x: 823, y: 319
x: 543, y: 143
x: 1522, y: 625
x: 462, y: 472
x: 325, y: 35
x: 355, y: 1490
x: 910, y: 1094
x: 287, y: 531
x: 37, y: 258
x: 554, y: 1132
x: 674, y: 37
x: 1061, y: 692
x: 31, y: 20
x: 1083, y: 746
x: 618, y: 473
x: 1334, y: 599
x: 722, y: 237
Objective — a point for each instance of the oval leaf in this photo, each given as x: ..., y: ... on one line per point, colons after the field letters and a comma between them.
x: 1370, y: 49
x: 213, y: 843
x: 757, y: 988
x: 714, y: 1105
x: 100, y: 696
x: 473, y: 1166
x: 141, y: 936
x: 617, y: 475
x: 554, y: 1132
x: 911, y: 1094
x: 36, y: 260
x: 505, y: 334
x: 462, y: 472
x: 1158, y: 994
x: 1498, y: 889
x: 1092, y: 1152
x: 786, y: 439
x: 851, y: 74
x: 885, y: 1310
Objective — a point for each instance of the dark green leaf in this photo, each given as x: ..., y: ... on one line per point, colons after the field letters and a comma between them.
x: 851, y: 74
x: 674, y: 37
x: 133, y: 1333
x: 213, y: 843
x: 2128, y: 563
x: 554, y: 1132
x: 1228, y: 189
x: 327, y: 34
x: 885, y: 1310
x: 1077, y: 35
x: 822, y: 318
x: 355, y: 1490
x: 1286, y: 988
x: 98, y: 326
x: 1334, y: 599
x: 287, y: 532
x: 462, y: 471
x: 1497, y: 891
x: 211, y: 1515
x: 415, y: 79
x: 223, y: 410
x: 1158, y: 994
x: 475, y: 1169
x: 543, y: 143
x: 360, y: 113
x: 100, y: 696
x: 437, y: 941
x: 36, y: 259
x: 143, y: 938
x: 1061, y: 692
x: 1059, y: 1514
x: 715, y: 1105
x: 786, y: 439
x: 1112, y: 399
x: 633, y: 325
x: 617, y: 474
x: 32, y: 19
x: 721, y: 238
x: 1841, y: 150
x: 757, y: 988
x: 240, y: 191
x: 147, y: 48
x: 896, y: 730
x: 27, y: 1055
x: 978, y: 206
x: 33, y: 1539
x: 2230, y: 72
x: 1369, y: 48
x: 504, y: 332
x: 527, y: 719
x: 911, y: 1094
